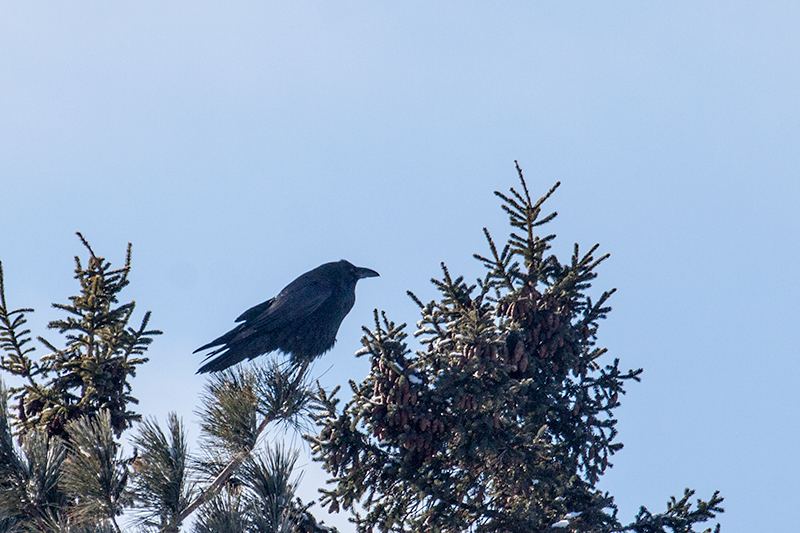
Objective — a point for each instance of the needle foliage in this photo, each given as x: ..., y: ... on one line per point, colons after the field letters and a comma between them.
x: 504, y: 420
x: 92, y: 371
x: 67, y: 472
x: 500, y: 419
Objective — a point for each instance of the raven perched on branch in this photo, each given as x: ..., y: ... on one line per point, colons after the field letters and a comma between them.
x: 302, y: 320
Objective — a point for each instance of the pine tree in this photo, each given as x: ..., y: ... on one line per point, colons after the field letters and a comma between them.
x: 503, y: 421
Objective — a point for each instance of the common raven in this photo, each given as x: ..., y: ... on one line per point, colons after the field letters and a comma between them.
x: 302, y: 320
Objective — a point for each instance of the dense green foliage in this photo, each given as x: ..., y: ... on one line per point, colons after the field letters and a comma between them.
x: 101, y: 353
x: 503, y: 421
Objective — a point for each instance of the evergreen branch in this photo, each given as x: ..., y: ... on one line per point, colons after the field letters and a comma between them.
x: 85, y: 244
x: 413, y: 297
x: 549, y: 217
x: 269, y: 477
x: 161, y: 473
x: 12, y: 339
x: 228, y: 415
x: 29, y: 489
x: 93, y: 472
x: 209, y: 492
x: 680, y: 517
x: 499, y: 266
x: 224, y: 514
x: 231, y: 402
x: 8, y: 457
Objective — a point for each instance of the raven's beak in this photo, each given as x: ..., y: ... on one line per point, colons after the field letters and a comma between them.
x: 362, y: 272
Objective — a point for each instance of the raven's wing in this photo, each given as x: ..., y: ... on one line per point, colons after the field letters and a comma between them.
x: 296, y: 301
x: 255, y: 311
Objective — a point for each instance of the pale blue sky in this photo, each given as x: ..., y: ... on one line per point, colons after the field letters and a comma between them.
x: 239, y: 145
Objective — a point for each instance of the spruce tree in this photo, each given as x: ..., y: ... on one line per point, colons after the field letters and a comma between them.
x: 504, y: 420
x: 92, y: 371
x: 73, y: 404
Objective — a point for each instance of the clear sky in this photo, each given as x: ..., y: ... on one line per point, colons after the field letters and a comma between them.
x: 238, y: 145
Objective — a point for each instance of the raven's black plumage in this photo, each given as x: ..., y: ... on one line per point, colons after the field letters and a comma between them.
x: 302, y: 320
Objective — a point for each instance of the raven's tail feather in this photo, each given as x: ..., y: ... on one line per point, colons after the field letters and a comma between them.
x: 225, y: 359
x: 228, y: 354
x: 219, y: 341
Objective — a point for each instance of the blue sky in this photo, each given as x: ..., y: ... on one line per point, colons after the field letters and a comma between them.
x: 238, y: 146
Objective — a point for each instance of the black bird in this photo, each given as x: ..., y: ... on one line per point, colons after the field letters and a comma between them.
x: 302, y: 320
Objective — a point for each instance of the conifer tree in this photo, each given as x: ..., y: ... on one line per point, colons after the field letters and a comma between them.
x: 503, y: 421
x: 68, y: 474
x: 73, y: 405
x: 91, y: 373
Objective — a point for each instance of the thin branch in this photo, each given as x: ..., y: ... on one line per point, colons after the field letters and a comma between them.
x: 218, y: 482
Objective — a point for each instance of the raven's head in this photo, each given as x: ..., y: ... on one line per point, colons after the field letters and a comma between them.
x: 358, y: 272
